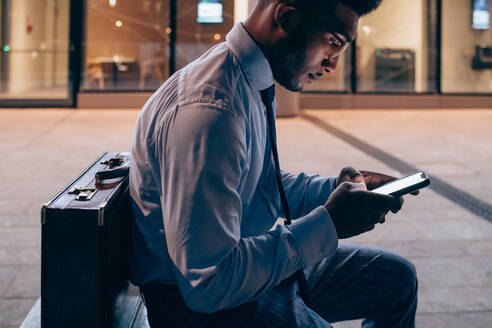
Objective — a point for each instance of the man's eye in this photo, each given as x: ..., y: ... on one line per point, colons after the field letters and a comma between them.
x: 333, y: 43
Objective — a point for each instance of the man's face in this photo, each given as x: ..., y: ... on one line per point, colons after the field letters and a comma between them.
x: 304, y: 55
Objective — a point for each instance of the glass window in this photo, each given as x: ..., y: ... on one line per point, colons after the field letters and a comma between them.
x: 34, y: 38
x: 201, y: 24
x: 466, y: 49
x: 392, y: 49
x: 127, y: 45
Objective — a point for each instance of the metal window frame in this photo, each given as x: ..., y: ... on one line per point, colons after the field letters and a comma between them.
x: 438, y: 43
x: 173, y: 24
x: 78, y: 36
x: 353, y: 67
x: 4, y: 39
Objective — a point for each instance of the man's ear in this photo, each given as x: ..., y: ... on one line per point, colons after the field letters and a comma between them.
x: 288, y: 18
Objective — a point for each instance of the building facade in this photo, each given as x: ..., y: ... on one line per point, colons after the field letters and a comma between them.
x: 115, y: 53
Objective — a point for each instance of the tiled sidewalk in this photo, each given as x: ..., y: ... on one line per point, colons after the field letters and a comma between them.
x: 42, y: 150
x: 451, y: 248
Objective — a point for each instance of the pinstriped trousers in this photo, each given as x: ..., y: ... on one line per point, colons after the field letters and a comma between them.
x: 355, y: 283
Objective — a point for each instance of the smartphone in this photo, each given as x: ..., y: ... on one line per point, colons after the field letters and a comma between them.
x: 404, y: 185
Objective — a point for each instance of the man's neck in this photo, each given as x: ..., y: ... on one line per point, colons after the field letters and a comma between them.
x: 260, y: 27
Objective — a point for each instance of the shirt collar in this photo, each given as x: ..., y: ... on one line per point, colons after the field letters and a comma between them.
x: 252, y: 60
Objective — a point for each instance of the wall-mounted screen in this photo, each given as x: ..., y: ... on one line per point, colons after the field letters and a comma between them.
x: 209, y: 11
x: 481, y: 14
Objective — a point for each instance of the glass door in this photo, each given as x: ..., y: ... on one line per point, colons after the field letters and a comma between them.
x: 466, y: 47
x: 34, y: 52
x: 126, y: 45
x: 393, y: 52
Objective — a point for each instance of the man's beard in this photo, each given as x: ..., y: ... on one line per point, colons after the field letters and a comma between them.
x: 287, y: 61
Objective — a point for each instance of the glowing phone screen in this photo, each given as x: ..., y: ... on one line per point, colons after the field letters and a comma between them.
x: 400, y: 184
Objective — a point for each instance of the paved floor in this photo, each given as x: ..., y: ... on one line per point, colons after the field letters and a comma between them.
x: 42, y: 150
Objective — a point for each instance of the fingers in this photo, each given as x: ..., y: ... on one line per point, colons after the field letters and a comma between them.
x: 368, y: 228
x: 376, y: 216
x: 352, y: 185
x: 385, y: 177
x: 348, y: 173
x: 401, y: 200
x: 374, y: 179
x: 378, y: 213
x: 415, y: 193
x: 384, y: 202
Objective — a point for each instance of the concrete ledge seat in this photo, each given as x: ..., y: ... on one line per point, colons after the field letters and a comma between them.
x: 129, y: 312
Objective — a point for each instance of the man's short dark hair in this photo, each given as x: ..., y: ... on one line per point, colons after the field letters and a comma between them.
x: 361, y: 7
x: 321, y: 12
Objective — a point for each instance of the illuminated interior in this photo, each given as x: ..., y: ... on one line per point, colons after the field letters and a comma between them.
x: 131, y: 46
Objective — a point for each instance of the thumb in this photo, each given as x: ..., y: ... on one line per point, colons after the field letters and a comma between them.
x: 348, y: 173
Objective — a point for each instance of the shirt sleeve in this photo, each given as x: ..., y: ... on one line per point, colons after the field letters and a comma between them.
x: 202, y: 165
x: 305, y: 192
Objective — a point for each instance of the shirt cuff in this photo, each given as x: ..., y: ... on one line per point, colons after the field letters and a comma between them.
x: 315, y: 235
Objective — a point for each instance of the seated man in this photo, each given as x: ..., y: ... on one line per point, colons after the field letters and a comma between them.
x: 206, y: 190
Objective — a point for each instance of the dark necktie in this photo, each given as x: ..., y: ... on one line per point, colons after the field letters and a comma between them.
x: 267, y: 96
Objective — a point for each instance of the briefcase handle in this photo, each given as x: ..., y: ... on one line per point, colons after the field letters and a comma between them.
x: 119, y: 166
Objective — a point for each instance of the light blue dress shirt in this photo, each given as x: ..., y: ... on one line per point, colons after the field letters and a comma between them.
x: 203, y: 188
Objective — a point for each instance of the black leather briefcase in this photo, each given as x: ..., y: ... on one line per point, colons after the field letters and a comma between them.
x: 85, y: 243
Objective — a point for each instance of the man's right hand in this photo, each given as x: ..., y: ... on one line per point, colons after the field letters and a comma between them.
x: 355, y: 210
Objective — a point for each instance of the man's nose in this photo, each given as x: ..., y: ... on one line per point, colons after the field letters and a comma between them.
x: 330, y: 64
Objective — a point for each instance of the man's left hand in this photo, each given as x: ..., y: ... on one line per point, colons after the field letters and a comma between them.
x: 374, y: 180
x: 367, y: 179
x: 349, y: 174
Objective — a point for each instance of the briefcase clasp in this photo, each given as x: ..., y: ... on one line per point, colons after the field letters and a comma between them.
x: 114, y: 162
x: 83, y: 193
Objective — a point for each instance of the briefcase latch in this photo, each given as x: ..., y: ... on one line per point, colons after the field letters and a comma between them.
x: 83, y: 193
x: 114, y: 161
